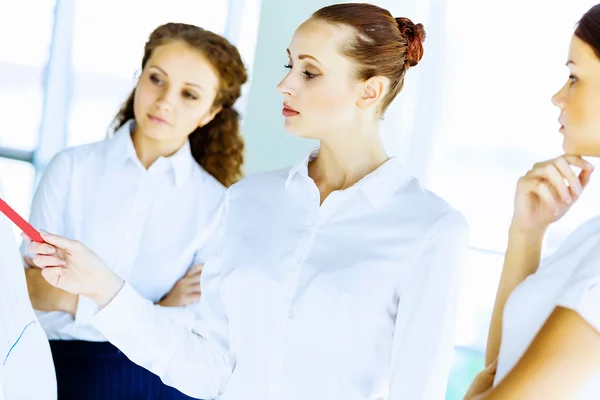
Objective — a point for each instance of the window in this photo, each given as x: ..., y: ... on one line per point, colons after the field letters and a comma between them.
x: 23, y: 55
x: 17, y: 180
x: 108, y: 46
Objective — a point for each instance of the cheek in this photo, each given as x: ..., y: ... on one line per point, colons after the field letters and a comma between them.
x: 190, y: 115
x: 329, y: 100
x: 583, y: 119
x: 144, y: 96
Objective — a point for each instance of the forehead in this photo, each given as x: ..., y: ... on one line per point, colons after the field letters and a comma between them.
x: 321, y: 40
x: 181, y: 62
x: 582, y: 54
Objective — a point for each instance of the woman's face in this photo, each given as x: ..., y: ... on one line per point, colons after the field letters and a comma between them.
x: 579, y: 101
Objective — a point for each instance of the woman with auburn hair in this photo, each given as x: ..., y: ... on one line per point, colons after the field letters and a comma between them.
x: 336, y: 278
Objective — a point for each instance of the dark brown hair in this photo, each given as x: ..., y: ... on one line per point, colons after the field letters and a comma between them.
x: 218, y: 146
x: 588, y: 28
x: 383, y: 46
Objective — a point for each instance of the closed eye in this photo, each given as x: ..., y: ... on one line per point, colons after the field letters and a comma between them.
x: 155, y: 79
x: 190, y: 96
x: 308, y: 75
x: 572, y: 79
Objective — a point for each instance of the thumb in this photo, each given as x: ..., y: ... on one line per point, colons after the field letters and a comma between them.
x: 59, y: 241
x: 52, y: 275
x: 491, y: 369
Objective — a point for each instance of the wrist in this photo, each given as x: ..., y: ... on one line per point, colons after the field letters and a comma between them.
x: 527, y: 233
x: 107, y: 289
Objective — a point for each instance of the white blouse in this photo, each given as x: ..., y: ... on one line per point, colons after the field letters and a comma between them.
x: 570, y: 278
x: 150, y: 226
x: 26, y: 367
x: 351, y: 300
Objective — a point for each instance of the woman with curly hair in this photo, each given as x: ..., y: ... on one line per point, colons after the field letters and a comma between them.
x: 146, y: 199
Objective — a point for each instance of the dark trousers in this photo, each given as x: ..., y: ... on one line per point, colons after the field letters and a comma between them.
x: 99, y: 371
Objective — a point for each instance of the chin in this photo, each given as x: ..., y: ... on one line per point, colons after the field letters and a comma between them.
x: 153, y: 131
x: 580, y: 149
x: 294, y: 130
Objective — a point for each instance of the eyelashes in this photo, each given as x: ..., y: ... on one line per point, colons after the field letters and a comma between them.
x: 155, y: 79
x: 305, y: 72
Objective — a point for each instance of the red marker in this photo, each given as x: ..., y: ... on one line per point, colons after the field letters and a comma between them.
x: 20, y: 222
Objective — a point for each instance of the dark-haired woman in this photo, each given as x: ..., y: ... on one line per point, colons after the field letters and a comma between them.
x: 545, y: 330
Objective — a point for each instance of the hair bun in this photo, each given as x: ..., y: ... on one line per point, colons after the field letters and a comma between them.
x: 415, y: 36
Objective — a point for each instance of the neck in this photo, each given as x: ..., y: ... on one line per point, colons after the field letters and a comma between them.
x: 148, y: 150
x: 346, y: 159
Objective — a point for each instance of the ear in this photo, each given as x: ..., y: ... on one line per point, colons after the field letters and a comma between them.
x: 209, y: 116
x: 373, y: 89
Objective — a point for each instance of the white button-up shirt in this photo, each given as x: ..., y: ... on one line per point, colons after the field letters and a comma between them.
x: 26, y: 368
x: 150, y: 226
x: 349, y: 300
x: 569, y: 278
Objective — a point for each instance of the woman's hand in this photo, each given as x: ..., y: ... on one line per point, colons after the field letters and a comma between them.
x: 70, y: 266
x: 482, y: 383
x: 186, y: 290
x: 548, y: 191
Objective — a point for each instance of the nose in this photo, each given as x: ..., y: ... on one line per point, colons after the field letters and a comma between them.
x: 286, y: 87
x: 165, y: 100
x: 559, y: 97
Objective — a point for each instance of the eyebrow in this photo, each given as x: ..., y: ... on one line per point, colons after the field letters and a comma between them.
x: 303, y: 56
x: 570, y: 62
x: 187, y: 83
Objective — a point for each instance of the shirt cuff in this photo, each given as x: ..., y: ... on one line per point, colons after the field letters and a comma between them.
x: 121, y: 314
x: 86, y: 308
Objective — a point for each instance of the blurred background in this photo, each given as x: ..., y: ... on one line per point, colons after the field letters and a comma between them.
x: 473, y: 117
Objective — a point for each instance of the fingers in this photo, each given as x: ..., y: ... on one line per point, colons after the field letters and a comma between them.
x: 549, y: 172
x: 584, y: 177
x: 578, y: 162
x: 554, y: 180
x: 567, y: 174
x: 491, y: 369
x: 59, y: 241
x: 546, y: 192
x: 43, y: 261
x: 195, y: 269
x: 191, y: 298
x: 193, y: 277
x: 29, y: 262
x: 193, y: 288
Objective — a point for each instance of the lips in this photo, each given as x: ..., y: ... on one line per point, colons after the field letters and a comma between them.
x: 156, y: 119
x: 288, y: 111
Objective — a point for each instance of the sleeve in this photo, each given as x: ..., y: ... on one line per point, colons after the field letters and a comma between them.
x: 50, y: 198
x: 196, y: 362
x: 423, y: 345
x: 581, y: 293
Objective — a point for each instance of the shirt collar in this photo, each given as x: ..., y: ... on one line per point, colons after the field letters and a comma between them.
x: 301, y: 167
x: 378, y: 187
x: 120, y: 150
